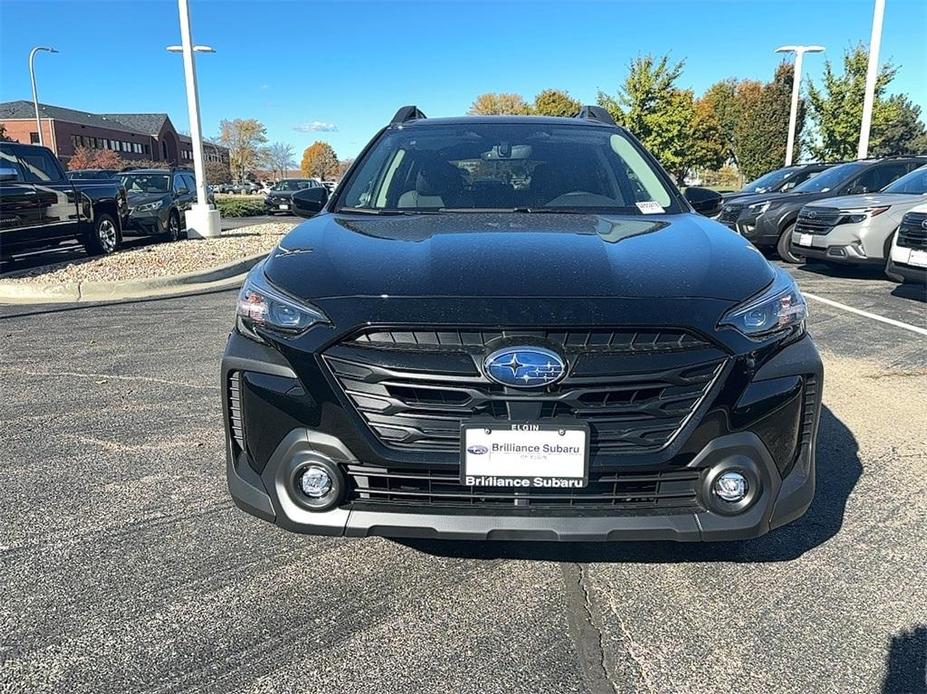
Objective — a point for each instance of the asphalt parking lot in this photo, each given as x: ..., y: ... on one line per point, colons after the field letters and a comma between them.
x: 125, y: 566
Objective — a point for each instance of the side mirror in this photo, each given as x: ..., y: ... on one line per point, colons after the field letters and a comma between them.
x: 8, y: 174
x: 309, y: 201
x: 703, y: 200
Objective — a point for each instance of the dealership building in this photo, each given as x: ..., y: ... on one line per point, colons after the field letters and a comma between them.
x: 134, y: 136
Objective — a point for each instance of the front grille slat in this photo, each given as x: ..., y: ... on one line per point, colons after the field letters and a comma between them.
x: 236, y: 421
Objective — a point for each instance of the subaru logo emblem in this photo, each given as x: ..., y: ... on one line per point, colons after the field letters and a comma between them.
x: 477, y: 450
x: 525, y: 367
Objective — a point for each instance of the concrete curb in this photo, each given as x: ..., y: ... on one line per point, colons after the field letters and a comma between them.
x: 223, y: 277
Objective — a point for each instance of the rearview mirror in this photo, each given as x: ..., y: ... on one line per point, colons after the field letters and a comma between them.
x: 8, y: 174
x: 309, y: 201
x: 703, y: 200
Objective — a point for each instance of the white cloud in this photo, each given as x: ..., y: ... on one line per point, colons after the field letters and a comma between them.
x: 316, y: 126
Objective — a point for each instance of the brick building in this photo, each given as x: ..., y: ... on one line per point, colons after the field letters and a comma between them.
x: 133, y: 136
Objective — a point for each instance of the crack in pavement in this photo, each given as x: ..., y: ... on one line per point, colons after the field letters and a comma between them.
x: 587, y: 637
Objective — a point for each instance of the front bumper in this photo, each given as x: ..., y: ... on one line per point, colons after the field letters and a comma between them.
x: 908, y: 273
x: 300, y: 425
x: 146, y: 223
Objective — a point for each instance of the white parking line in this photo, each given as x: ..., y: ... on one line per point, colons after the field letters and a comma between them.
x: 866, y: 314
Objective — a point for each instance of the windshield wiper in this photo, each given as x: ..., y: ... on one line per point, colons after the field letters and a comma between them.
x: 518, y: 210
x: 381, y: 211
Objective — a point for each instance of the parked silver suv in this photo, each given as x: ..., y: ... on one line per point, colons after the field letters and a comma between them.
x: 857, y: 229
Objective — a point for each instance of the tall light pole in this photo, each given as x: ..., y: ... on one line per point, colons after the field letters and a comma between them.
x: 35, y: 93
x: 201, y: 220
x: 799, y: 52
x: 872, y: 73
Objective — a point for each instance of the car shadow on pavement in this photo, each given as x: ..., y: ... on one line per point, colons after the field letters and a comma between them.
x: 848, y: 272
x: 906, y: 664
x: 838, y: 470
x: 915, y: 292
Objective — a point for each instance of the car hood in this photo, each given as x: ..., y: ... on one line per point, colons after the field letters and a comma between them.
x: 136, y: 199
x: 781, y: 198
x: 851, y: 202
x: 516, y: 255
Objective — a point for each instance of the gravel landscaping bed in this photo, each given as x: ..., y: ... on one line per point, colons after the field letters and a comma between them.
x: 162, y: 259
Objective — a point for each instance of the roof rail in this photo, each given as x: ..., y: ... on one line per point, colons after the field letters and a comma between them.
x: 407, y: 113
x: 596, y: 113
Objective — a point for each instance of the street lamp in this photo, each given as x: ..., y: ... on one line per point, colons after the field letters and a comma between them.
x: 799, y: 52
x: 35, y: 94
x: 872, y: 73
x: 201, y: 220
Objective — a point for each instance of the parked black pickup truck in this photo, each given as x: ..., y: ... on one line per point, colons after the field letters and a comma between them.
x: 41, y: 207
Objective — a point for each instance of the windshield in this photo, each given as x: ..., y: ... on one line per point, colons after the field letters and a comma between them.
x: 830, y: 179
x: 146, y: 183
x: 769, y: 181
x: 914, y: 183
x: 507, y: 166
x: 291, y: 184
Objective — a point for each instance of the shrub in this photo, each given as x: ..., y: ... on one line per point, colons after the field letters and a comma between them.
x: 239, y: 207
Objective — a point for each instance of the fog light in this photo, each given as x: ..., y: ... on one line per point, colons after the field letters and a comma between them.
x: 315, y: 482
x: 730, y: 486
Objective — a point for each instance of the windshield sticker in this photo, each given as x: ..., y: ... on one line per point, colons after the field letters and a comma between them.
x: 650, y: 207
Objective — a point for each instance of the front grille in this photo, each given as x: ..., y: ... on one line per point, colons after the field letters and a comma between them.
x: 236, y: 427
x: 912, y: 233
x: 817, y: 220
x: 730, y: 213
x: 675, y: 490
x: 635, y: 389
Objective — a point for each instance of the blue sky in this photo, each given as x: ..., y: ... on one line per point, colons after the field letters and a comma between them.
x: 351, y: 64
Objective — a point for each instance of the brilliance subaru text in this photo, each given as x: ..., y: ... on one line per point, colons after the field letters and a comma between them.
x: 518, y: 328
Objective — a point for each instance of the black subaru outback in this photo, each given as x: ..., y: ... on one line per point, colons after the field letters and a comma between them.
x: 517, y: 328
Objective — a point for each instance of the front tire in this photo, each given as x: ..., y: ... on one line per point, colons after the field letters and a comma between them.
x: 782, y: 247
x: 105, y: 238
x: 173, y: 227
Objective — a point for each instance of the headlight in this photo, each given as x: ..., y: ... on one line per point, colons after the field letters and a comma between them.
x: 778, y: 309
x: 260, y: 306
x: 855, y: 216
x: 149, y: 206
x: 759, y: 208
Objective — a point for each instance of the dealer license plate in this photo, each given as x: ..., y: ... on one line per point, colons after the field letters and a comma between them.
x: 804, y: 239
x: 918, y: 258
x: 524, y: 455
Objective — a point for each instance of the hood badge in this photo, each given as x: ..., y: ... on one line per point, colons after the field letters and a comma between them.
x: 524, y: 367
x: 287, y: 252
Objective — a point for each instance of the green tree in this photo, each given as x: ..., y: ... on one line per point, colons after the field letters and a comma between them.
x: 555, y: 102
x: 683, y: 133
x: 244, y: 138
x: 837, y: 105
x: 319, y: 160
x: 644, y: 96
x: 760, y: 131
x: 903, y: 132
x: 721, y: 98
x: 498, y: 104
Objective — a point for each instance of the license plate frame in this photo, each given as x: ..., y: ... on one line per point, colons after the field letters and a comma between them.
x: 805, y: 240
x: 283, y: 206
x: 917, y: 258
x: 504, y: 470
